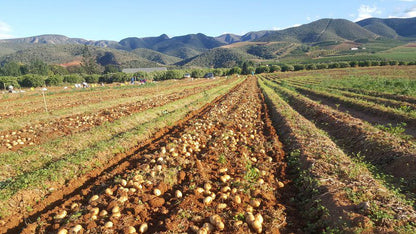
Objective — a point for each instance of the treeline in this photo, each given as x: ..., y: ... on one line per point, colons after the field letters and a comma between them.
x: 36, y: 80
x: 319, y: 66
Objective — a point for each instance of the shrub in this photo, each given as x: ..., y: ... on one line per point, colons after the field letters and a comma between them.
x: 311, y: 67
x: 73, y: 78
x: 275, y: 68
x: 287, y: 67
x: 322, y: 66
x: 393, y: 63
x: 334, y: 65
x: 5, y: 81
x: 299, y: 67
x: 262, y: 69
x: 197, y: 73
x: 32, y: 80
x: 384, y: 63
x: 375, y: 63
x: 364, y: 63
x: 92, y: 78
x: 174, y: 74
x: 234, y: 70
x: 218, y: 72
x: 54, y: 80
x: 344, y: 64
x: 353, y: 64
x: 119, y: 77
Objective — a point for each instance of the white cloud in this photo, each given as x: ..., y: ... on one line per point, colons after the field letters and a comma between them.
x: 408, y: 13
x: 366, y: 11
x: 407, y: 0
x: 5, y: 30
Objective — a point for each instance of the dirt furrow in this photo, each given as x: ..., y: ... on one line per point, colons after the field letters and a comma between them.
x: 215, y: 171
x: 392, y: 155
x: 336, y: 193
x: 26, y: 106
x: 41, y: 132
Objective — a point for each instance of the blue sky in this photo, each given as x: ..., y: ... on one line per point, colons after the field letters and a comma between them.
x: 115, y: 20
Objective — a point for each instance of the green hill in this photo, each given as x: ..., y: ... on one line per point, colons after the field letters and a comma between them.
x: 182, y: 46
x: 66, y: 53
x: 216, y: 58
x: 155, y: 56
x: 391, y: 28
x: 320, y: 31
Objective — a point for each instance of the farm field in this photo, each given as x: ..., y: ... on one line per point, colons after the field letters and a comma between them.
x: 295, y: 152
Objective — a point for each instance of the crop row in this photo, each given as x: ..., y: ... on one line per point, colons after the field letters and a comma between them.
x: 337, y: 192
x: 44, y: 167
x: 379, y: 100
x: 221, y: 171
x: 357, y: 137
x: 393, y: 114
x: 40, y: 132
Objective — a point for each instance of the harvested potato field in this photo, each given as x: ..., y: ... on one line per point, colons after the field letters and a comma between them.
x: 276, y: 153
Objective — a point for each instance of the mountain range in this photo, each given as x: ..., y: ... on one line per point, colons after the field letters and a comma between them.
x: 324, y: 35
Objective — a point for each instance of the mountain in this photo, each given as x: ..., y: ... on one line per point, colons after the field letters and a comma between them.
x: 228, y: 38
x: 321, y: 30
x: 391, y: 28
x: 252, y: 36
x: 58, y: 40
x: 132, y: 43
x: 182, y: 46
x: 325, y: 37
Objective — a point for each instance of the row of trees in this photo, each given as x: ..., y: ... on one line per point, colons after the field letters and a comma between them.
x: 319, y: 66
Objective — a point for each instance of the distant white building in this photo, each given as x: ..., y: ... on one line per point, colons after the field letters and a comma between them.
x: 354, y: 48
x: 148, y: 69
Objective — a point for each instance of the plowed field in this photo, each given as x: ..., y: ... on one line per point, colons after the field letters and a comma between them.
x: 265, y: 154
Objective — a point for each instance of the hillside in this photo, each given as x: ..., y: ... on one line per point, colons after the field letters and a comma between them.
x: 66, y: 53
x: 182, y: 46
x: 391, y: 28
x: 321, y: 30
x: 155, y: 56
x: 216, y: 58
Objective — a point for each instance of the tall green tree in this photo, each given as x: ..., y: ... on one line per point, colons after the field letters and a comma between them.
x: 89, y: 62
x: 39, y: 67
x: 11, y: 69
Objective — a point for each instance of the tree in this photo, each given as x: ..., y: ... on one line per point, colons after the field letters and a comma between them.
x: 311, y: 67
x: 111, y: 68
x: 32, y: 80
x: 58, y: 70
x: 299, y: 67
x: 88, y: 61
x: 287, y: 67
x: 197, y: 73
x: 245, y: 68
x: 234, y: 70
x: 275, y: 68
x: 11, y: 69
x: 39, y: 67
x: 262, y: 69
